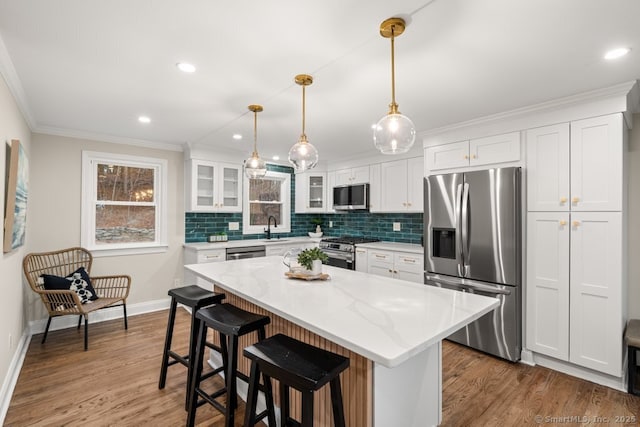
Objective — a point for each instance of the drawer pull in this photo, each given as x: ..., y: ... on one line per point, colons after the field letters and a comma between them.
x: 409, y: 260
x: 380, y: 256
x: 212, y: 256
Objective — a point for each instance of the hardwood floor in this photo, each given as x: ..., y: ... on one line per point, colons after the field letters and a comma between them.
x: 115, y: 383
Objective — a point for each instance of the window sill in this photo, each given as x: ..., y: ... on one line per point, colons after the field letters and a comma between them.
x: 103, y: 252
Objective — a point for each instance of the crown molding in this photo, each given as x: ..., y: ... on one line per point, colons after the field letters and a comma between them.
x: 617, y: 98
x: 78, y: 134
x: 8, y: 71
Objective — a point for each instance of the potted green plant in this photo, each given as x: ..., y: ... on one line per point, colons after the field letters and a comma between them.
x: 312, y: 259
x: 316, y: 231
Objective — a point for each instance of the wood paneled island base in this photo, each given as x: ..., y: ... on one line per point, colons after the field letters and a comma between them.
x: 356, y: 381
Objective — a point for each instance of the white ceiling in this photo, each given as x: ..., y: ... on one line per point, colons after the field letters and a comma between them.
x: 91, y: 67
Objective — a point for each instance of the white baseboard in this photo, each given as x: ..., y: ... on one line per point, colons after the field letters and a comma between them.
x: 13, y: 373
x: 38, y: 326
x: 618, y: 383
x: 111, y: 313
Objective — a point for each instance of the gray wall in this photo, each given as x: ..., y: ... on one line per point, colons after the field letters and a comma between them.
x: 54, y: 216
x: 12, y: 126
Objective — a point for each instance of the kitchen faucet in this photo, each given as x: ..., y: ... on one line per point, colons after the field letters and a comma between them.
x: 268, y: 229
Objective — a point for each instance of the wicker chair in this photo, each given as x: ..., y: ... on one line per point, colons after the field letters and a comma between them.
x: 111, y: 290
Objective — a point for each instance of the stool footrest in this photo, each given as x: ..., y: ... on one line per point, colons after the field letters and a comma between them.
x: 177, y: 358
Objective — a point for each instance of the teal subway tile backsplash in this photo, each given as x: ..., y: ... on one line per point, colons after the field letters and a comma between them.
x: 198, y: 226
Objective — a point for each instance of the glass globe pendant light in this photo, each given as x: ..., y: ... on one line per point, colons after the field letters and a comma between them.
x: 254, y: 166
x: 394, y: 133
x: 303, y: 155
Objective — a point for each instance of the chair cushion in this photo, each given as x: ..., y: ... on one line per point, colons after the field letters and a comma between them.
x: 632, y: 334
x: 77, y: 281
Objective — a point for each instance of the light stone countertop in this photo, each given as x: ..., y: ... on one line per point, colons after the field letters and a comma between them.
x: 385, y: 320
x: 249, y: 242
x: 393, y: 246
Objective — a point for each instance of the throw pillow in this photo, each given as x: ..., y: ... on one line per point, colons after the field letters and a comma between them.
x: 77, y: 281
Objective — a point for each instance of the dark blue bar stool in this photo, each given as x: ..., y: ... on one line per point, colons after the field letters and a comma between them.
x: 299, y: 365
x: 231, y: 323
x: 195, y: 298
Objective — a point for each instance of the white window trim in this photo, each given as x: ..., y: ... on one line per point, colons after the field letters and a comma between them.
x: 285, y: 226
x: 90, y: 159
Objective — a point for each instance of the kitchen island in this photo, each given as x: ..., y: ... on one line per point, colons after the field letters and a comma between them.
x: 390, y: 329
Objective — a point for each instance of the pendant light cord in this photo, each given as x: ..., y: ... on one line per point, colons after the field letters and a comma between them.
x: 255, y: 133
x: 393, y: 107
x: 303, y: 136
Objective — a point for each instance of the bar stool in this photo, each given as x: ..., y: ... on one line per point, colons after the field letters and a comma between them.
x: 632, y: 338
x: 194, y: 297
x: 299, y: 365
x: 231, y: 323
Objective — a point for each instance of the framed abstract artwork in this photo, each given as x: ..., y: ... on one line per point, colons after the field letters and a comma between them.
x: 16, y: 186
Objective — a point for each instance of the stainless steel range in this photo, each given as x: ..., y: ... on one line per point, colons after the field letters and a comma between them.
x: 342, y: 250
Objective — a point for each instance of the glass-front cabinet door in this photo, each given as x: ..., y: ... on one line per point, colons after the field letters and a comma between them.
x: 230, y: 200
x: 316, y: 191
x: 215, y: 187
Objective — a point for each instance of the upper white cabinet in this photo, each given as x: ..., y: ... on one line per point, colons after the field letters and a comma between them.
x: 214, y: 187
x: 311, y: 192
x: 359, y: 175
x: 576, y: 166
x: 548, y: 168
x: 474, y: 152
x: 596, y: 163
x: 397, y: 186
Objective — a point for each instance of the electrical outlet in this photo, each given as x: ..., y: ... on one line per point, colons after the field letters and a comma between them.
x: 234, y: 226
x: 330, y: 224
x: 396, y: 226
x: 176, y: 283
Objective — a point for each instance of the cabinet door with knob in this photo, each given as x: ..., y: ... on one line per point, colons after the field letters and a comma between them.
x: 397, y: 186
x: 576, y: 166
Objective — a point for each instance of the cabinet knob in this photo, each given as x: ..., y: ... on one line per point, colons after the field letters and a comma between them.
x: 466, y: 157
x: 474, y: 156
x: 409, y: 204
x: 390, y: 271
x: 575, y: 200
x: 563, y: 200
x: 563, y: 223
x: 576, y: 223
x: 404, y: 204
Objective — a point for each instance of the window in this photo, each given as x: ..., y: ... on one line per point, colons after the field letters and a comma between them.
x: 269, y: 196
x: 123, y: 204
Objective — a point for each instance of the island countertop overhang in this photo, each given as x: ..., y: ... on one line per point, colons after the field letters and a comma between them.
x: 385, y: 320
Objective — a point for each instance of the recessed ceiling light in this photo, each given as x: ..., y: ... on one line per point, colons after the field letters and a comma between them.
x: 237, y: 136
x: 144, y: 119
x: 617, y: 53
x: 186, y: 67
x: 276, y: 157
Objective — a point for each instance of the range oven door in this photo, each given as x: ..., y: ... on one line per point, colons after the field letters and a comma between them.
x: 497, y: 332
x: 340, y: 259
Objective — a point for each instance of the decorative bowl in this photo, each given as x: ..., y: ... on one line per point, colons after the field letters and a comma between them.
x: 315, y: 235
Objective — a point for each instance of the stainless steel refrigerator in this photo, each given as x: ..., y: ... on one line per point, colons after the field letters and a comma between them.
x: 472, y: 226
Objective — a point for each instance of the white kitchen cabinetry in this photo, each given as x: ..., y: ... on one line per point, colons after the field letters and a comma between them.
x: 474, y: 152
x: 311, y: 192
x: 547, y: 324
x: 576, y: 166
x: 359, y: 175
x: 596, y: 306
x: 362, y: 260
x: 194, y: 256
x: 399, y: 184
x: 547, y: 168
x: 399, y: 265
x: 214, y: 187
x: 575, y: 281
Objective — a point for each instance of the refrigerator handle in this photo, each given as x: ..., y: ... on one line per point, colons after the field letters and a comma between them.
x: 464, y: 225
x: 459, y: 238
